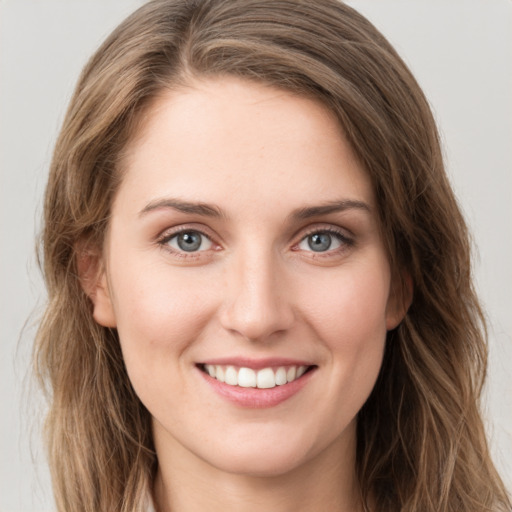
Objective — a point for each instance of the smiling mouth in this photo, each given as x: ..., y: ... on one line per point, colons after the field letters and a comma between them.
x: 264, y: 378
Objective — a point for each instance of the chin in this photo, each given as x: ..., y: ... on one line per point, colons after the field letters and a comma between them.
x: 262, y: 464
x: 266, y: 455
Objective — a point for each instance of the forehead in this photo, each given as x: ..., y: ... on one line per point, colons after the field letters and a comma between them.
x: 230, y: 138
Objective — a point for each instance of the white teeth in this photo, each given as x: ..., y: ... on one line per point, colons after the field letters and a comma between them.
x: 231, y: 376
x: 220, y: 374
x: 281, y: 376
x: 246, y: 378
x: 265, y: 378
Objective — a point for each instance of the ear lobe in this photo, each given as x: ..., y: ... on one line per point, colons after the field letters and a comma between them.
x: 400, y: 298
x: 93, y: 280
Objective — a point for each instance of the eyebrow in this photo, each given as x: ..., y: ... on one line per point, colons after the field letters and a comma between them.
x: 203, y: 209
x: 210, y: 210
x: 330, y: 207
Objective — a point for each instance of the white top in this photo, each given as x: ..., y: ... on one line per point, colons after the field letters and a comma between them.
x: 150, y: 506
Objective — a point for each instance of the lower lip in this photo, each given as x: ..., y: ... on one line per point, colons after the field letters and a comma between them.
x: 256, y: 398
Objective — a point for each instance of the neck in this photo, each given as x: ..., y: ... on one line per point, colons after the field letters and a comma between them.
x: 327, y: 482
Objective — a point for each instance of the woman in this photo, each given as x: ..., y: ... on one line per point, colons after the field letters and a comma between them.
x: 259, y: 278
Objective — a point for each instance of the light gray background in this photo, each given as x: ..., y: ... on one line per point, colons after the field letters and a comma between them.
x: 461, y: 53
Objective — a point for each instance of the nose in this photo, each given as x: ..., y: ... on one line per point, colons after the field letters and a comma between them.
x: 256, y: 303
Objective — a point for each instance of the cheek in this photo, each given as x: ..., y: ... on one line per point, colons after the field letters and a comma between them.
x: 348, y: 307
x: 159, y: 315
x: 348, y: 314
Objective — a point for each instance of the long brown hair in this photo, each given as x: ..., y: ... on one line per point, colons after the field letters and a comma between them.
x: 421, y: 442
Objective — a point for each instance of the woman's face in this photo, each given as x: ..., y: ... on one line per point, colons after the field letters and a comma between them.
x: 244, y: 243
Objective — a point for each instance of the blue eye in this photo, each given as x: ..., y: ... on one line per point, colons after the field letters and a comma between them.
x: 319, y: 242
x: 190, y: 241
x: 322, y: 241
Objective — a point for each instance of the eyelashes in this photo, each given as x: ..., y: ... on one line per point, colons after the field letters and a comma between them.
x: 324, y: 241
x: 186, y: 242
x: 191, y: 242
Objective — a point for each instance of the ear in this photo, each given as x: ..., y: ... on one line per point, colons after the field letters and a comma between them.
x: 94, y: 282
x: 399, y: 300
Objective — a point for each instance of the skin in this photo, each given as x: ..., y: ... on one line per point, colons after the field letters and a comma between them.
x: 255, y: 289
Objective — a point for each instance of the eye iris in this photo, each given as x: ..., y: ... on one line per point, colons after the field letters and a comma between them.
x: 189, y: 241
x: 319, y: 242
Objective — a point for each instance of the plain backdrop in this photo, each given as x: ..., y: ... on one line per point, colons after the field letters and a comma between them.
x: 461, y: 53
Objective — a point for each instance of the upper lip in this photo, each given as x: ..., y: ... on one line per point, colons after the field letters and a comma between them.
x: 256, y: 364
